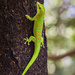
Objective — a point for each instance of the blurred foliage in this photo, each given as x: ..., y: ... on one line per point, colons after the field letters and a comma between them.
x: 60, y: 32
x: 71, y: 23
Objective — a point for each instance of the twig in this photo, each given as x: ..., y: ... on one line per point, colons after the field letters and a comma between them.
x: 53, y: 57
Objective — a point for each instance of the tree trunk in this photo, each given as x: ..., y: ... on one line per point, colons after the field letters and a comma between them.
x: 14, y: 27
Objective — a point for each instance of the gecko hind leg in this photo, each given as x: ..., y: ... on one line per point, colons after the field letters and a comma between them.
x: 31, y: 38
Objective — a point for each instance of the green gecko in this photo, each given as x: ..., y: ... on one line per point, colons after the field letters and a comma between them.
x: 37, y: 31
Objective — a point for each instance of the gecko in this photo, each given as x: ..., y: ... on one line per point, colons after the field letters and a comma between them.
x: 37, y: 32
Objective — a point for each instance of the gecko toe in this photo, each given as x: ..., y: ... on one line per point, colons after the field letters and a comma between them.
x: 25, y: 43
x: 24, y: 38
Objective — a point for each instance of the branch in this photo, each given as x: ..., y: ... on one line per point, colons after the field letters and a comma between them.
x: 53, y: 57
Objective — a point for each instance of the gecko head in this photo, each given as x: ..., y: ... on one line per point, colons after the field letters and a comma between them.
x: 40, y: 7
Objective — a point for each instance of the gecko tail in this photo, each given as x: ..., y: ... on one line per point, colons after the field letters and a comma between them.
x: 35, y: 55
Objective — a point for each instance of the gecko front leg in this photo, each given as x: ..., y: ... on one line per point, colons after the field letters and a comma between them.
x: 30, y: 18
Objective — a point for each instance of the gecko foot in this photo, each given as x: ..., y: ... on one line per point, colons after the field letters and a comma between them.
x: 26, y: 39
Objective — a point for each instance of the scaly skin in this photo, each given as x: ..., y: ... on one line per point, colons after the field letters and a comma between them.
x: 37, y: 30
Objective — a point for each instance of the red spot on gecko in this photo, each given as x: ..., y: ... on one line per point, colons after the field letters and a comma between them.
x: 39, y: 38
x: 39, y: 35
x: 39, y: 41
x: 39, y: 28
x: 39, y: 32
x: 39, y: 4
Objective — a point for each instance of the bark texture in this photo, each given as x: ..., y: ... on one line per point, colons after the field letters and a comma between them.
x: 14, y: 27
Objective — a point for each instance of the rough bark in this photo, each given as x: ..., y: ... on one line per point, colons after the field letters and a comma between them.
x: 14, y: 27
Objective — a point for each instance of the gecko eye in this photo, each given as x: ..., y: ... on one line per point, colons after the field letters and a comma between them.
x: 39, y: 7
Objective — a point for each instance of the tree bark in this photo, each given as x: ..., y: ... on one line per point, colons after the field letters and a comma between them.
x: 14, y: 27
